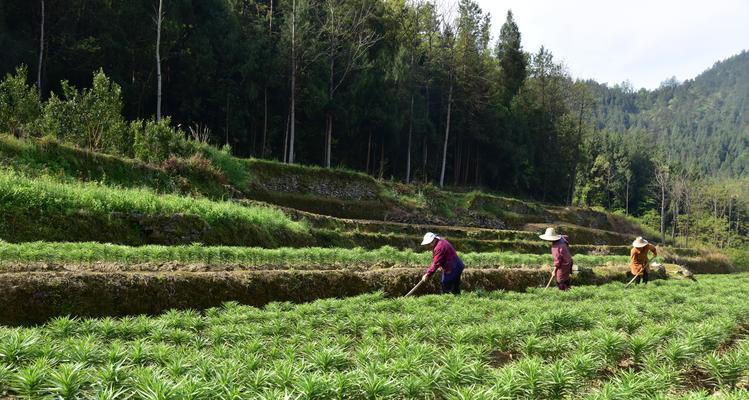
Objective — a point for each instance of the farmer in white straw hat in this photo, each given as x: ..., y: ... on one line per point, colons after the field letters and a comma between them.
x: 638, y: 259
x: 560, y: 251
x: 443, y: 256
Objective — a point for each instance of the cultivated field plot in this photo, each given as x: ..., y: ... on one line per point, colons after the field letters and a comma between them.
x: 670, y: 339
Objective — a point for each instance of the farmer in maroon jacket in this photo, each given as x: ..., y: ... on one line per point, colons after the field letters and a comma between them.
x: 445, y: 257
x: 560, y: 251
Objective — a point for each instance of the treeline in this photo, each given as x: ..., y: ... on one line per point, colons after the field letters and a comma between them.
x: 399, y: 89
x: 627, y: 173
x: 702, y: 122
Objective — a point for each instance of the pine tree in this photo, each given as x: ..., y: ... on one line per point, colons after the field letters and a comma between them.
x: 511, y: 58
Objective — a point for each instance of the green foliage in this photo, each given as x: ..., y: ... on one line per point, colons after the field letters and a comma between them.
x: 19, y: 103
x: 45, y: 208
x: 302, y: 258
x: 90, y: 118
x: 700, y: 123
x: 154, y: 142
x: 502, y: 345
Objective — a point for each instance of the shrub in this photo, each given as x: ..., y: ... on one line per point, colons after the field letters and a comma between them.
x: 154, y: 142
x: 19, y: 103
x: 195, y: 169
x: 90, y: 118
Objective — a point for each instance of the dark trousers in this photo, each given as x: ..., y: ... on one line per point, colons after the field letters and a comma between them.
x: 451, y: 286
x: 565, y: 285
x: 643, y: 277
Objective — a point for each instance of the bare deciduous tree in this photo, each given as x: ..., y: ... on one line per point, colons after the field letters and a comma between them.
x: 349, y: 39
x: 304, y: 39
x: 662, y: 180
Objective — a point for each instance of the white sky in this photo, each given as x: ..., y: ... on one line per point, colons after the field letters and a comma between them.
x: 643, y: 41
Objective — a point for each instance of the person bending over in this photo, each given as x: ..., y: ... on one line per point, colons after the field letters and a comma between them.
x: 445, y: 257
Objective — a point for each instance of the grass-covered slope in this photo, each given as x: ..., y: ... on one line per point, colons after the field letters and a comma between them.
x: 673, y: 339
x: 333, y: 192
x: 44, y: 209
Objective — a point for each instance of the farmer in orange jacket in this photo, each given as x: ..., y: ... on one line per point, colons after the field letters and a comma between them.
x: 560, y: 251
x: 638, y: 259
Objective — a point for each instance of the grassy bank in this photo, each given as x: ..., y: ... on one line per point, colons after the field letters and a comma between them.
x: 341, y: 193
x: 42, y: 208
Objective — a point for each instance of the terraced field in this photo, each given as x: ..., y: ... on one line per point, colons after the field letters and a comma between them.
x: 223, y: 278
x: 93, y: 235
x: 671, y: 339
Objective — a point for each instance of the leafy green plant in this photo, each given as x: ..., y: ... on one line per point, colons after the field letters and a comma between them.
x: 19, y: 104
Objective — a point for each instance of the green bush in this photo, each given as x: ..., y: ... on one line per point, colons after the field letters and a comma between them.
x: 90, y: 118
x: 154, y: 142
x: 19, y: 103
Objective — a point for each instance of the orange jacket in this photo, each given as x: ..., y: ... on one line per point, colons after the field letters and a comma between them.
x: 638, y: 258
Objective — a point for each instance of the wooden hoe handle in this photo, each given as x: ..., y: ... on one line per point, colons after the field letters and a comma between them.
x: 630, y: 282
x: 551, y: 278
x: 414, y: 289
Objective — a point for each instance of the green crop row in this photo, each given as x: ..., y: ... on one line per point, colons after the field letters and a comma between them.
x: 90, y: 252
x: 603, y: 342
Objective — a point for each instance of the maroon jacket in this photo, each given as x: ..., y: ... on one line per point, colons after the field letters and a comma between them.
x: 444, y: 256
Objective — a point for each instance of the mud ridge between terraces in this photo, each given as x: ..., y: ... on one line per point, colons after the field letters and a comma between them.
x: 28, y: 298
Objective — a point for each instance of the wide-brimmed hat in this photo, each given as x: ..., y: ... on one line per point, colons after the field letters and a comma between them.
x: 550, y: 235
x: 639, y: 242
x: 429, y: 237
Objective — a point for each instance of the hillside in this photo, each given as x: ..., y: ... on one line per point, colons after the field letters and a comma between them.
x: 79, y: 225
x: 702, y: 122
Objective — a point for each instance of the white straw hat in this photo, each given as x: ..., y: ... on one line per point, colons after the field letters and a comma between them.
x: 639, y: 242
x: 429, y: 237
x: 550, y: 235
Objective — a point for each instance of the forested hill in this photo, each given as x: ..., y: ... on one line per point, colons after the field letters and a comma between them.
x: 702, y: 123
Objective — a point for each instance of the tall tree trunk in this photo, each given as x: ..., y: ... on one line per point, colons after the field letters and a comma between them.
x: 270, y: 17
x: 674, y: 222
x: 41, y: 54
x: 227, y: 117
x: 265, y: 120
x: 369, y: 148
x: 410, y: 133
x: 663, y: 214
x: 286, y: 139
x: 424, y: 156
x: 158, y: 61
x: 329, y: 113
x: 688, y: 205
x: 382, y: 158
x: 626, y: 198
x: 265, y: 88
x: 447, y: 135
x: 457, y: 159
x: 292, y: 113
x: 467, y: 167
x: 425, y: 148
x: 477, y: 181
x: 328, y: 138
x: 253, y: 138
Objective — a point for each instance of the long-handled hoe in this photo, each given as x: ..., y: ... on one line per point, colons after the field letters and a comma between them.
x: 551, y: 278
x: 632, y: 280
x: 418, y: 285
x: 635, y: 277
